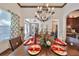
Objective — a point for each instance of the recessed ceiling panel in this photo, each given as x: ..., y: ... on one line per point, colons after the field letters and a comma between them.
x: 58, y: 5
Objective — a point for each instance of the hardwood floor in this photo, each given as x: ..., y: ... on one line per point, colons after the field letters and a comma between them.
x: 72, y: 51
x: 6, y: 52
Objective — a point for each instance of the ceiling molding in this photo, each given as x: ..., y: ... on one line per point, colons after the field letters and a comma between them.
x: 42, y: 6
x: 64, y: 5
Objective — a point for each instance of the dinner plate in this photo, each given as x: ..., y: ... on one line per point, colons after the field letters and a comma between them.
x: 60, y: 50
x: 62, y: 53
x: 34, y: 49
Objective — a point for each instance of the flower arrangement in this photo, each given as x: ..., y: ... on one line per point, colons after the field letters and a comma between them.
x: 45, y: 40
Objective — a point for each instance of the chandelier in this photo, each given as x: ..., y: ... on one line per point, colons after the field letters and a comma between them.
x: 44, y: 13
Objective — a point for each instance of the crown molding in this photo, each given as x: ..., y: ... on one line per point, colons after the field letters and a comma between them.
x: 42, y: 6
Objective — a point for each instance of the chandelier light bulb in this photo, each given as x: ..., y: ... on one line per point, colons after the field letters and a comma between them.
x: 47, y: 5
x: 38, y: 7
x: 35, y: 13
x: 52, y: 8
x: 48, y: 9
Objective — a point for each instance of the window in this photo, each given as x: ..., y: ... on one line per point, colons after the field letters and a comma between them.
x: 5, y: 22
x: 30, y: 27
x: 27, y: 29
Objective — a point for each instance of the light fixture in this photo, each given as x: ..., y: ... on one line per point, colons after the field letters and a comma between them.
x: 44, y: 12
x: 69, y: 26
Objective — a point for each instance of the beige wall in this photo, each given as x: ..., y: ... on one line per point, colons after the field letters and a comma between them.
x: 4, y: 45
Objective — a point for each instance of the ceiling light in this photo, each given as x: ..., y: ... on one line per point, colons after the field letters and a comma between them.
x: 44, y: 13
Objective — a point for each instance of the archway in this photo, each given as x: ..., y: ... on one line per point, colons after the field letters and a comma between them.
x: 65, y: 20
x: 72, y: 25
x: 67, y: 9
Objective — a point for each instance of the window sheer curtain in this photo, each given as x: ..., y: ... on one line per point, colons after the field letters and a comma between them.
x: 15, y: 26
x: 9, y: 25
x: 5, y: 22
x: 16, y: 32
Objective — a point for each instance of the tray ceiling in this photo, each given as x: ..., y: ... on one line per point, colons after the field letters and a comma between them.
x: 35, y: 5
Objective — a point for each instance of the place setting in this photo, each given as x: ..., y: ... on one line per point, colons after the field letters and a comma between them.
x: 45, y: 44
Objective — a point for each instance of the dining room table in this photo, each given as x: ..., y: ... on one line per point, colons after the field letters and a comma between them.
x: 23, y: 51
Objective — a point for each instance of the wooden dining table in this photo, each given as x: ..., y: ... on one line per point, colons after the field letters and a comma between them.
x: 23, y: 51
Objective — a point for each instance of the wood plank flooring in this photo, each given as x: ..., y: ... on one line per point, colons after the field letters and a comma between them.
x: 6, y: 52
x: 72, y: 51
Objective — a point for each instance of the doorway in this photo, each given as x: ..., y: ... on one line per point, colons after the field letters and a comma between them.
x: 72, y: 24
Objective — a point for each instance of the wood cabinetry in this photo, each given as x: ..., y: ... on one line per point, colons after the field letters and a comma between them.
x: 74, y: 23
